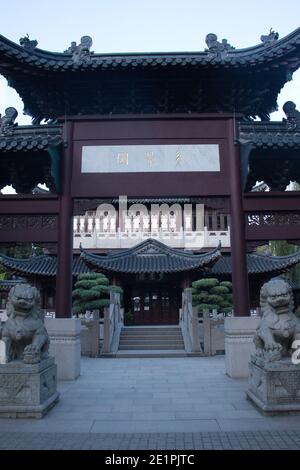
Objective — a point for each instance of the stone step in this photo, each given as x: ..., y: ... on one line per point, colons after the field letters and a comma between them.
x: 151, y: 332
x: 163, y: 340
x: 150, y: 346
x: 142, y: 336
x: 150, y: 353
x: 151, y: 341
x: 137, y: 331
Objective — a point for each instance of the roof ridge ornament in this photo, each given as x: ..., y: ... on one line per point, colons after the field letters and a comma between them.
x: 271, y: 38
x: 7, y: 122
x: 217, y: 49
x: 27, y: 43
x: 81, y: 53
x: 292, y: 116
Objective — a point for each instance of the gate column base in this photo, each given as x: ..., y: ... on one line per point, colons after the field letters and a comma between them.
x: 65, y: 346
x: 239, y: 333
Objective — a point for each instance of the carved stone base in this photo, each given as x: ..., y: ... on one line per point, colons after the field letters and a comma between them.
x: 274, y: 387
x: 239, y: 334
x: 64, y: 334
x: 27, y: 390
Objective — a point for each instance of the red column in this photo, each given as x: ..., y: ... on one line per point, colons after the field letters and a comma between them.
x: 240, y: 283
x: 65, y: 232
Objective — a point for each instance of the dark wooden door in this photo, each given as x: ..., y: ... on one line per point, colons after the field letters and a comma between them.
x: 155, y: 304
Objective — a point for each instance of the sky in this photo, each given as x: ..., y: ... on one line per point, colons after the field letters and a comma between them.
x: 146, y: 26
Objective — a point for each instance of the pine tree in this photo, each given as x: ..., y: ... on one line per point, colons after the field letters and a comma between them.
x: 92, y: 292
x: 210, y: 294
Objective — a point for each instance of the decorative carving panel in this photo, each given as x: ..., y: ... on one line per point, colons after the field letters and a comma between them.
x: 273, y: 218
x: 33, y: 222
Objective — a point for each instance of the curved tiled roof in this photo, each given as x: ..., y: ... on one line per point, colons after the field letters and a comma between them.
x: 43, y: 265
x: 270, y: 135
x: 258, y: 263
x: 219, y: 79
x: 31, y: 138
x: 150, y: 256
x: 262, y: 54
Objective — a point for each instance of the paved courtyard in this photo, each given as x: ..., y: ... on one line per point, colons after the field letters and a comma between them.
x: 184, y: 403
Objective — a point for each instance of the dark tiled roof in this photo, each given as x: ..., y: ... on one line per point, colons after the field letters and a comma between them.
x: 270, y: 135
x: 43, y: 265
x: 258, y: 263
x: 262, y: 54
x: 218, y: 79
x: 31, y: 138
x: 151, y: 256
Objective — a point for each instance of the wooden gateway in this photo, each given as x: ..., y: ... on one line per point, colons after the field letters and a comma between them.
x: 151, y: 161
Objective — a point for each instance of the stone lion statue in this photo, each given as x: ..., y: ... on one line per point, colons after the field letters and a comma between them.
x: 279, y: 326
x: 24, y: 333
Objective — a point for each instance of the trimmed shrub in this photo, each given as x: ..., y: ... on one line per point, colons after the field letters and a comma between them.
x: 220, y: 290
x: 205, y: 283
x: 210, y: 294
x: 226, y: 284
x: 92, y: 292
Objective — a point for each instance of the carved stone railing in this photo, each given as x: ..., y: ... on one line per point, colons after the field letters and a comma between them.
x: 86, y: 234
x: 112, y: 325
x: 189, y: 324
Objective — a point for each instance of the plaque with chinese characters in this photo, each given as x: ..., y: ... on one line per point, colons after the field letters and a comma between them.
x: 150, y: 158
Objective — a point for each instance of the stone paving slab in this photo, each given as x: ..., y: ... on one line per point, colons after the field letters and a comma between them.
x: 273, y: 440
x: 153, y: 395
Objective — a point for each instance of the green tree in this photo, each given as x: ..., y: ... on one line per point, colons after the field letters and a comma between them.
x: 92, y: 292
x: 211, y: 294
x: 283, y: 248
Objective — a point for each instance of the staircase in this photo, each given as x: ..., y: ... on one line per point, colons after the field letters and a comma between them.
x: 151, y: 341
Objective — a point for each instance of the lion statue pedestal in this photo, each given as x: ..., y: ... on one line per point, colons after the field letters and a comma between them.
x: 274, y: 381
x: 28, y: 376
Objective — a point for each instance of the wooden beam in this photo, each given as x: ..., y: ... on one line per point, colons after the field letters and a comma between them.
x: 28, y: 204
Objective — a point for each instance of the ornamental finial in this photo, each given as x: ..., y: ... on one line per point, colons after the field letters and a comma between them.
x: 269, y: 38
x: 292, y: 115
x: 27, y: 43
x: 7, y: 122
x: 81, y: 53
x: 217, y: 49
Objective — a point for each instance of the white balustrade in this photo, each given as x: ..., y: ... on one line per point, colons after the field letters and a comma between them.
x: 102, y: 232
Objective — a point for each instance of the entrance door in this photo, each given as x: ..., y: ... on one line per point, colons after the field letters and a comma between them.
x: 155, y: 304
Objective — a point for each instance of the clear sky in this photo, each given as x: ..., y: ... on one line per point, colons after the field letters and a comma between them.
x: 146, y: 26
